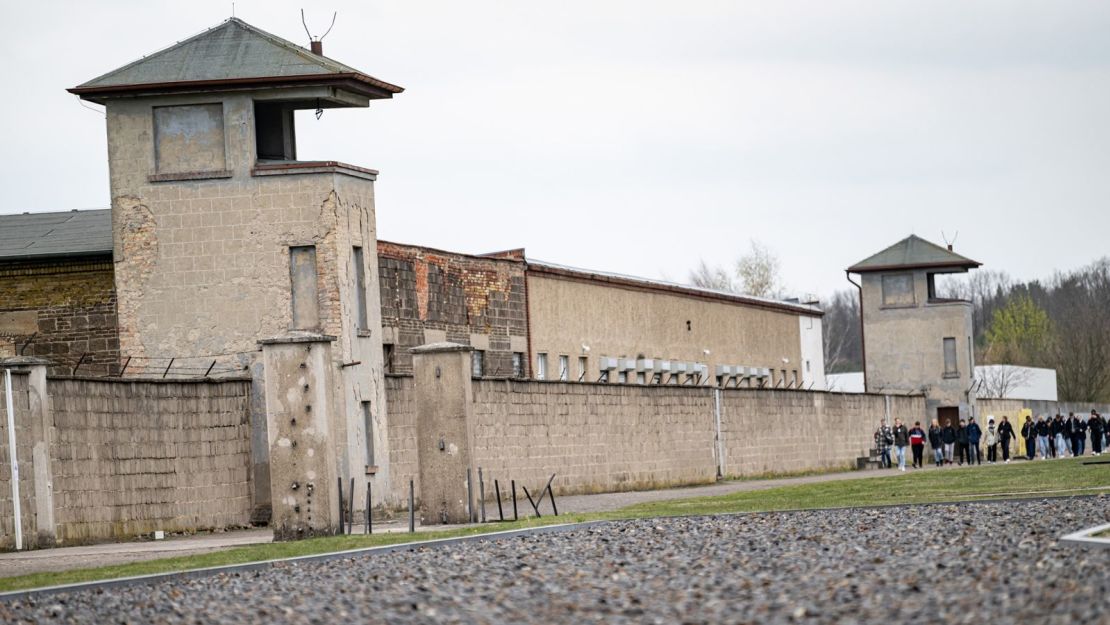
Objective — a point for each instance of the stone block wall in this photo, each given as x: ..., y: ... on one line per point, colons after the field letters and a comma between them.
x: 61, y: 310
x: 769, y: 432
x: 429, y: 296
x: 128, y: 457
x: 404, y: 462
x: 595, y: 437
x: 609, y: 437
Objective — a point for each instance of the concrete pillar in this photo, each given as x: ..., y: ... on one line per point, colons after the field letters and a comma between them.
x: 42, y: 438
x: 444, y: 431
x: 301, y: 425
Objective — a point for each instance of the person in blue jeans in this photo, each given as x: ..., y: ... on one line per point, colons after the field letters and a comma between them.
x: 901, y: 441
x: 974, y: 435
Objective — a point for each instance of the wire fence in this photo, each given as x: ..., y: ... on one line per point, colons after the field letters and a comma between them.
x: 166, y: 367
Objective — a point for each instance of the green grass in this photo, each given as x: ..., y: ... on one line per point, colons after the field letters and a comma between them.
x: 1059, y: 477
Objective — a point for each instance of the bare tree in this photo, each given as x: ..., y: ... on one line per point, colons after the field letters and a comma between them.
x: 999, y: 381
x: 717, y: 278
x: 758, y: 271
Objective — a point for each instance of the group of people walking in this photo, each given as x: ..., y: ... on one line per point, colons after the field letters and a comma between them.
x: 953, y: 443
x: 1060, y: 437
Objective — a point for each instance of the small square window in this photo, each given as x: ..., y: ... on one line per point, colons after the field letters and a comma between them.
x: 518, y: 365
x: 898, y: 290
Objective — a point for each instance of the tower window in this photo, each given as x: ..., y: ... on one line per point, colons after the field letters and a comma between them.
x: 274, y: 131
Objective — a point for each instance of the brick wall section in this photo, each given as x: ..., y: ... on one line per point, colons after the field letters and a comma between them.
x: 595, y: 437
x: 24, y: 442
x: 70, y: 309
x: 768, y: 432
x: 424, y: 289
x: 130, y: 457
x: 403, y: 458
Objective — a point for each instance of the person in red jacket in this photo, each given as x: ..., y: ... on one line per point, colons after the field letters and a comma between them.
x: 917, y: 444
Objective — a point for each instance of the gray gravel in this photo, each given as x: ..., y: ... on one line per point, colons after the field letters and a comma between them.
x: 972, y: 563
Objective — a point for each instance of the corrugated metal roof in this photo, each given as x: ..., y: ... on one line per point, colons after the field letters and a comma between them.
x: 44, y: 235
x: 234, y: 50
x: 913, y: 252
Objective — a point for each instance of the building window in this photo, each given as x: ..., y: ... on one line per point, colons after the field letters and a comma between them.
x: 368, y: 425
x: 387, y: 357
x: 782, y: 377
x: 794, y: 378
x: 477, y: 363
x: 807, y: 367
x: 641, y: 378
x: 541, y: 366
x: 583, y: 367
x: 275, y: 137
x: 898, y: 289
x: 622, y: 377
x: 564, y: 368
x: 518, y: 365
x: 950, y: 368
x: 360, y: 289
x: 302, y: 275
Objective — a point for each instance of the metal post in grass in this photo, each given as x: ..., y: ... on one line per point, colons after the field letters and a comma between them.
x: 412, y: 509
x: 351, y: 509
x: 513, y: 486
x: 497, y: 493
x: 481, y: 494
x: 535, y: 506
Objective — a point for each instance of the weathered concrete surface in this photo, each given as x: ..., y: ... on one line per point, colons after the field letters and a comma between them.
x: 445, y: 432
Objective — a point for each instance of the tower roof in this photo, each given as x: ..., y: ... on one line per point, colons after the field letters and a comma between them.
x: 913, y: 252
x: 232, y: 55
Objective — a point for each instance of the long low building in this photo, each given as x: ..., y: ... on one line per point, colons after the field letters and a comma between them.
x: 524, y: 318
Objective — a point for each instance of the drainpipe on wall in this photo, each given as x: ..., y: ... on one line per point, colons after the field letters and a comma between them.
x: 527, y: 326
x: 862, y: 338
x: 9, y: 404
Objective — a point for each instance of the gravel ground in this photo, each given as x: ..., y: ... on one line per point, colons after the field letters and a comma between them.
x: 971, y: 563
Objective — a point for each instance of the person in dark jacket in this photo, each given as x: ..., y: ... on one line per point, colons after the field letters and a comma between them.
x: 1029, y: 433
x: 901, y: 441
x: 961, y: 443
x: 1044, y: 437
x: 936, y: 443
x: 1005, y: 435
x: 948, y: 437
x: 1098, y: 429
x: 1059, y: 442
x: 974, y: 435
x: 884, y: 438
x: 917, y: 444
x: 1078, y: 431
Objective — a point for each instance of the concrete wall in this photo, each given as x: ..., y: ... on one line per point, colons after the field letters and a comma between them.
x: 430, y: 296
x: 767, y: 432
x: 904, y: 347
x: 130, y: 457
x: 596, y: 437
x: 606, y: 437
x: 404, y: 460
x: 64, y: 308
x: 619, y: 320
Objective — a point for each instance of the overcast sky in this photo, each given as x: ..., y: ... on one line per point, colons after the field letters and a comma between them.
x: 640, y: 136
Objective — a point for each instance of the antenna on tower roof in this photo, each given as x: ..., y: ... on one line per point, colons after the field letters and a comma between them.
x: 321, y: 37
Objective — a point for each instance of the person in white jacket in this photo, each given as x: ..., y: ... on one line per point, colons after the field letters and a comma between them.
x: 991, y: 436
